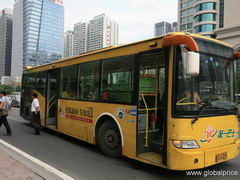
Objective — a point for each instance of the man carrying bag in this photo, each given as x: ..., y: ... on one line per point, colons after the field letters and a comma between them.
x: 4, y: 106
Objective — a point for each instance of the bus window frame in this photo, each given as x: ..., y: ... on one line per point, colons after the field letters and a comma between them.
x: 78, y: 81
x: 60, y: 84
x: 134, y: 100
x: 133, y: 80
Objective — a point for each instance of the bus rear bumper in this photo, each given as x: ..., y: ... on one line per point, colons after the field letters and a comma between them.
x: 189, y: 159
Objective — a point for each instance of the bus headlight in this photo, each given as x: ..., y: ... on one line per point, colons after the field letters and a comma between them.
x: 186, y: 144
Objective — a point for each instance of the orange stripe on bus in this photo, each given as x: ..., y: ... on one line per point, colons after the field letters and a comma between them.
x: 181, y: 39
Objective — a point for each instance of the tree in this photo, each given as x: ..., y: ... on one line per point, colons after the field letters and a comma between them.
x: 6, y: 88
x: 18, y: 88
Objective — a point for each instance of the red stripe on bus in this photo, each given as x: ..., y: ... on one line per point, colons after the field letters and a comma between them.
x: 79, y: 118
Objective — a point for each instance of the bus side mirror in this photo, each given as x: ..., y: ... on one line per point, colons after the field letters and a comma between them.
x: 193, y: 63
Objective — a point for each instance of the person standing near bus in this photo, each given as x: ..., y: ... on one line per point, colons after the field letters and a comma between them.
x: 35, y: 112
x: 4, y: 106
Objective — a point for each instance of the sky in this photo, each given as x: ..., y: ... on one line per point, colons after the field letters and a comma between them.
x: 136, y: 18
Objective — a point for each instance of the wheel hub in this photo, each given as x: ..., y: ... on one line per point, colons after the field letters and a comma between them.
x: 111, y: 138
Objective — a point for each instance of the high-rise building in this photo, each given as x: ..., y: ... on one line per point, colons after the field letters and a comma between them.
x: 198, y: 16
x: 6, y: 20
x: 6, y: 80
x: 38, y: 33
x: 98, y: 33
x: 214, y: 18
x: 68, y: 44
x: 229, y: 26
x: 102, y: 32
x: 79, y: 38
x: 164, y: 27
x: 174, y: 27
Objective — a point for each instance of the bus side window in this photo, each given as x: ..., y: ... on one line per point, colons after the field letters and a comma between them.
x: 104, y: 93
x: 117, y: 79
x: 88, y: 79
x: 41, y: 82
x: 68, y: 82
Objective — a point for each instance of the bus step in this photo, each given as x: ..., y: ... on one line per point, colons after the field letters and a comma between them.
x: 156, y: 146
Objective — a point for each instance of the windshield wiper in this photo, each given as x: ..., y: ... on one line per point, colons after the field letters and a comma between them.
x: 205, y: 103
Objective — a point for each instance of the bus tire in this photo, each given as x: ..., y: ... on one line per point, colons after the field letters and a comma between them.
x: 109, y: 139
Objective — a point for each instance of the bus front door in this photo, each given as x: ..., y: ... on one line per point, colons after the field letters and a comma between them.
x: 52, y: 97
x: 151, y: 107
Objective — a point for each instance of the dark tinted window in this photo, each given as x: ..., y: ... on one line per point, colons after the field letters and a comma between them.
x: 30, y: 80
x: 214, y: 48
x: 41, y: 82
x: 68, y: 83
x: 117, y: 79
x: 89, y: 80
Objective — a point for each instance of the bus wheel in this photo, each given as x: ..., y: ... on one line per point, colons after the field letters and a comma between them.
x: 109, y: 139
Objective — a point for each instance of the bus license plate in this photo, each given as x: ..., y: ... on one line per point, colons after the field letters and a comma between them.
x: 221, y: 157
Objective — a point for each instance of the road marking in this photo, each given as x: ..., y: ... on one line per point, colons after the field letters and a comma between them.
x: 37, y: 161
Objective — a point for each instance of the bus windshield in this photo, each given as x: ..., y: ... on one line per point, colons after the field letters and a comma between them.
x: 211, y: 92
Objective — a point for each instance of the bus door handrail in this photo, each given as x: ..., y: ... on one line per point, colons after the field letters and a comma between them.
x: 147, y: 113
x: 50, y: 105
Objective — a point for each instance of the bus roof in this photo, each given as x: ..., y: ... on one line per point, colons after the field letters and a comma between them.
x: 123, y: 46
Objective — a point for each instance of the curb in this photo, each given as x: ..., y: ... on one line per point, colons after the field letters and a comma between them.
x: 44, y: 170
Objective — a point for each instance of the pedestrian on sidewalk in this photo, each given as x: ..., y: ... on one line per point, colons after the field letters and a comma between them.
x: 5, y: 105
x: 35, y: 113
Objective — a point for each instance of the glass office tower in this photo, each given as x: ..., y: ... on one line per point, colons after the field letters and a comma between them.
x: 6, y: 21
x: 198, y: 16
x: 38, y: 33
x: 51, y: 38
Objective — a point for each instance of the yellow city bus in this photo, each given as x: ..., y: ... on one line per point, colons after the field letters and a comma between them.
x: 167, y: 101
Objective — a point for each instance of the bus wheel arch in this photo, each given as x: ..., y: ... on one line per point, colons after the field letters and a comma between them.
x: 108, y: 135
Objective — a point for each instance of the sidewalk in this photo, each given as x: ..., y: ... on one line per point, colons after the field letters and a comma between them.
x: 18, y: 165
x: 12, y: 169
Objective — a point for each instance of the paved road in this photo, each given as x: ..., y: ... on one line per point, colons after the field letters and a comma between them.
x: 84, y: 161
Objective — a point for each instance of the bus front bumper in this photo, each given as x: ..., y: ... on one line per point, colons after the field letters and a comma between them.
x: 188, y: 159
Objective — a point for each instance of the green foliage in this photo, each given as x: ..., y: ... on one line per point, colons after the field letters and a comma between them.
x: 6, y: 88
x: 18, y: 89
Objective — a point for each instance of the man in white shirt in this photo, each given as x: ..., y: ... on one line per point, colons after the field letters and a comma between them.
x: 4, y: 105
x: 35, y: 112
